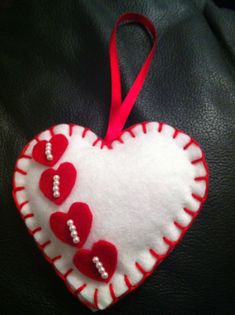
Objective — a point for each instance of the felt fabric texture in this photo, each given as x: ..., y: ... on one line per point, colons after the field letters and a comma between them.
x: 54, y: 68
x: 107, y: 254
x: 68, y: 175
x: 144, y: 190
x: 81, y: 215
x: 59, y: 144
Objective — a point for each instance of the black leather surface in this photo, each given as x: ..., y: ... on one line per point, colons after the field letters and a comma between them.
x: 54, y: 68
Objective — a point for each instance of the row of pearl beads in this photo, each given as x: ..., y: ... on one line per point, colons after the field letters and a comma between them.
x: 48, y: 153
x: 100, y: 267
x: 56, y: 188
x: 73, y: 230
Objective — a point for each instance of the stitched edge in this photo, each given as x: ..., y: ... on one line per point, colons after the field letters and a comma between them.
x: 159, y: 258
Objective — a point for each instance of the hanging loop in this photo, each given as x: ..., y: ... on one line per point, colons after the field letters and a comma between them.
x: 119, y: 111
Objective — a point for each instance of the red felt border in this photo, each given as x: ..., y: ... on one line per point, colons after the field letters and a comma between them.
x: 159, y: 258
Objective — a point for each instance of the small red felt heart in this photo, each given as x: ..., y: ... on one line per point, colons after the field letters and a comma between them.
x: 81, y: 215
x: 107, y: 254
x: 59, y: 144
x: 67, y: 174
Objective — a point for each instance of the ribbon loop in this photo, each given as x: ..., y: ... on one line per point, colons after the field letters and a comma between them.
x: 119, y: 111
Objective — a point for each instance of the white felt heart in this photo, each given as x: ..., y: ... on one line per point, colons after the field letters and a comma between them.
x: 144, y: 192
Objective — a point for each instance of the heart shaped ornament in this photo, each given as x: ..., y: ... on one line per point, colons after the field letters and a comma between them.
x: 105, y: 213
x: 143, y: 191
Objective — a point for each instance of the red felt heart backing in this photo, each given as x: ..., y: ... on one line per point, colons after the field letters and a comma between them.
x: 67, y: 173
x: 107, y: 254
x: 59, y: 144
x: 81, y: 215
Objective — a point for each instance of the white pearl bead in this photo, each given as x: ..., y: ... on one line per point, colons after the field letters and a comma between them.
x: 55, y: 188
x: 49, y: 157
x: 72, y: 228
x: 70, y: 222
x: 56, y: 177
x: 48, y: 151
x: 56, y: 194
x: 74, y: 233
x: 99, y: 265
x: 104, y: 275
x: 76, y: 240
x: 56, y: 182
x: 95, y: 259
x: 101, y: 270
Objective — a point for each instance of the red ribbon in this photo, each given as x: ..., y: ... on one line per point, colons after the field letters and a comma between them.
x: 119, y: 111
